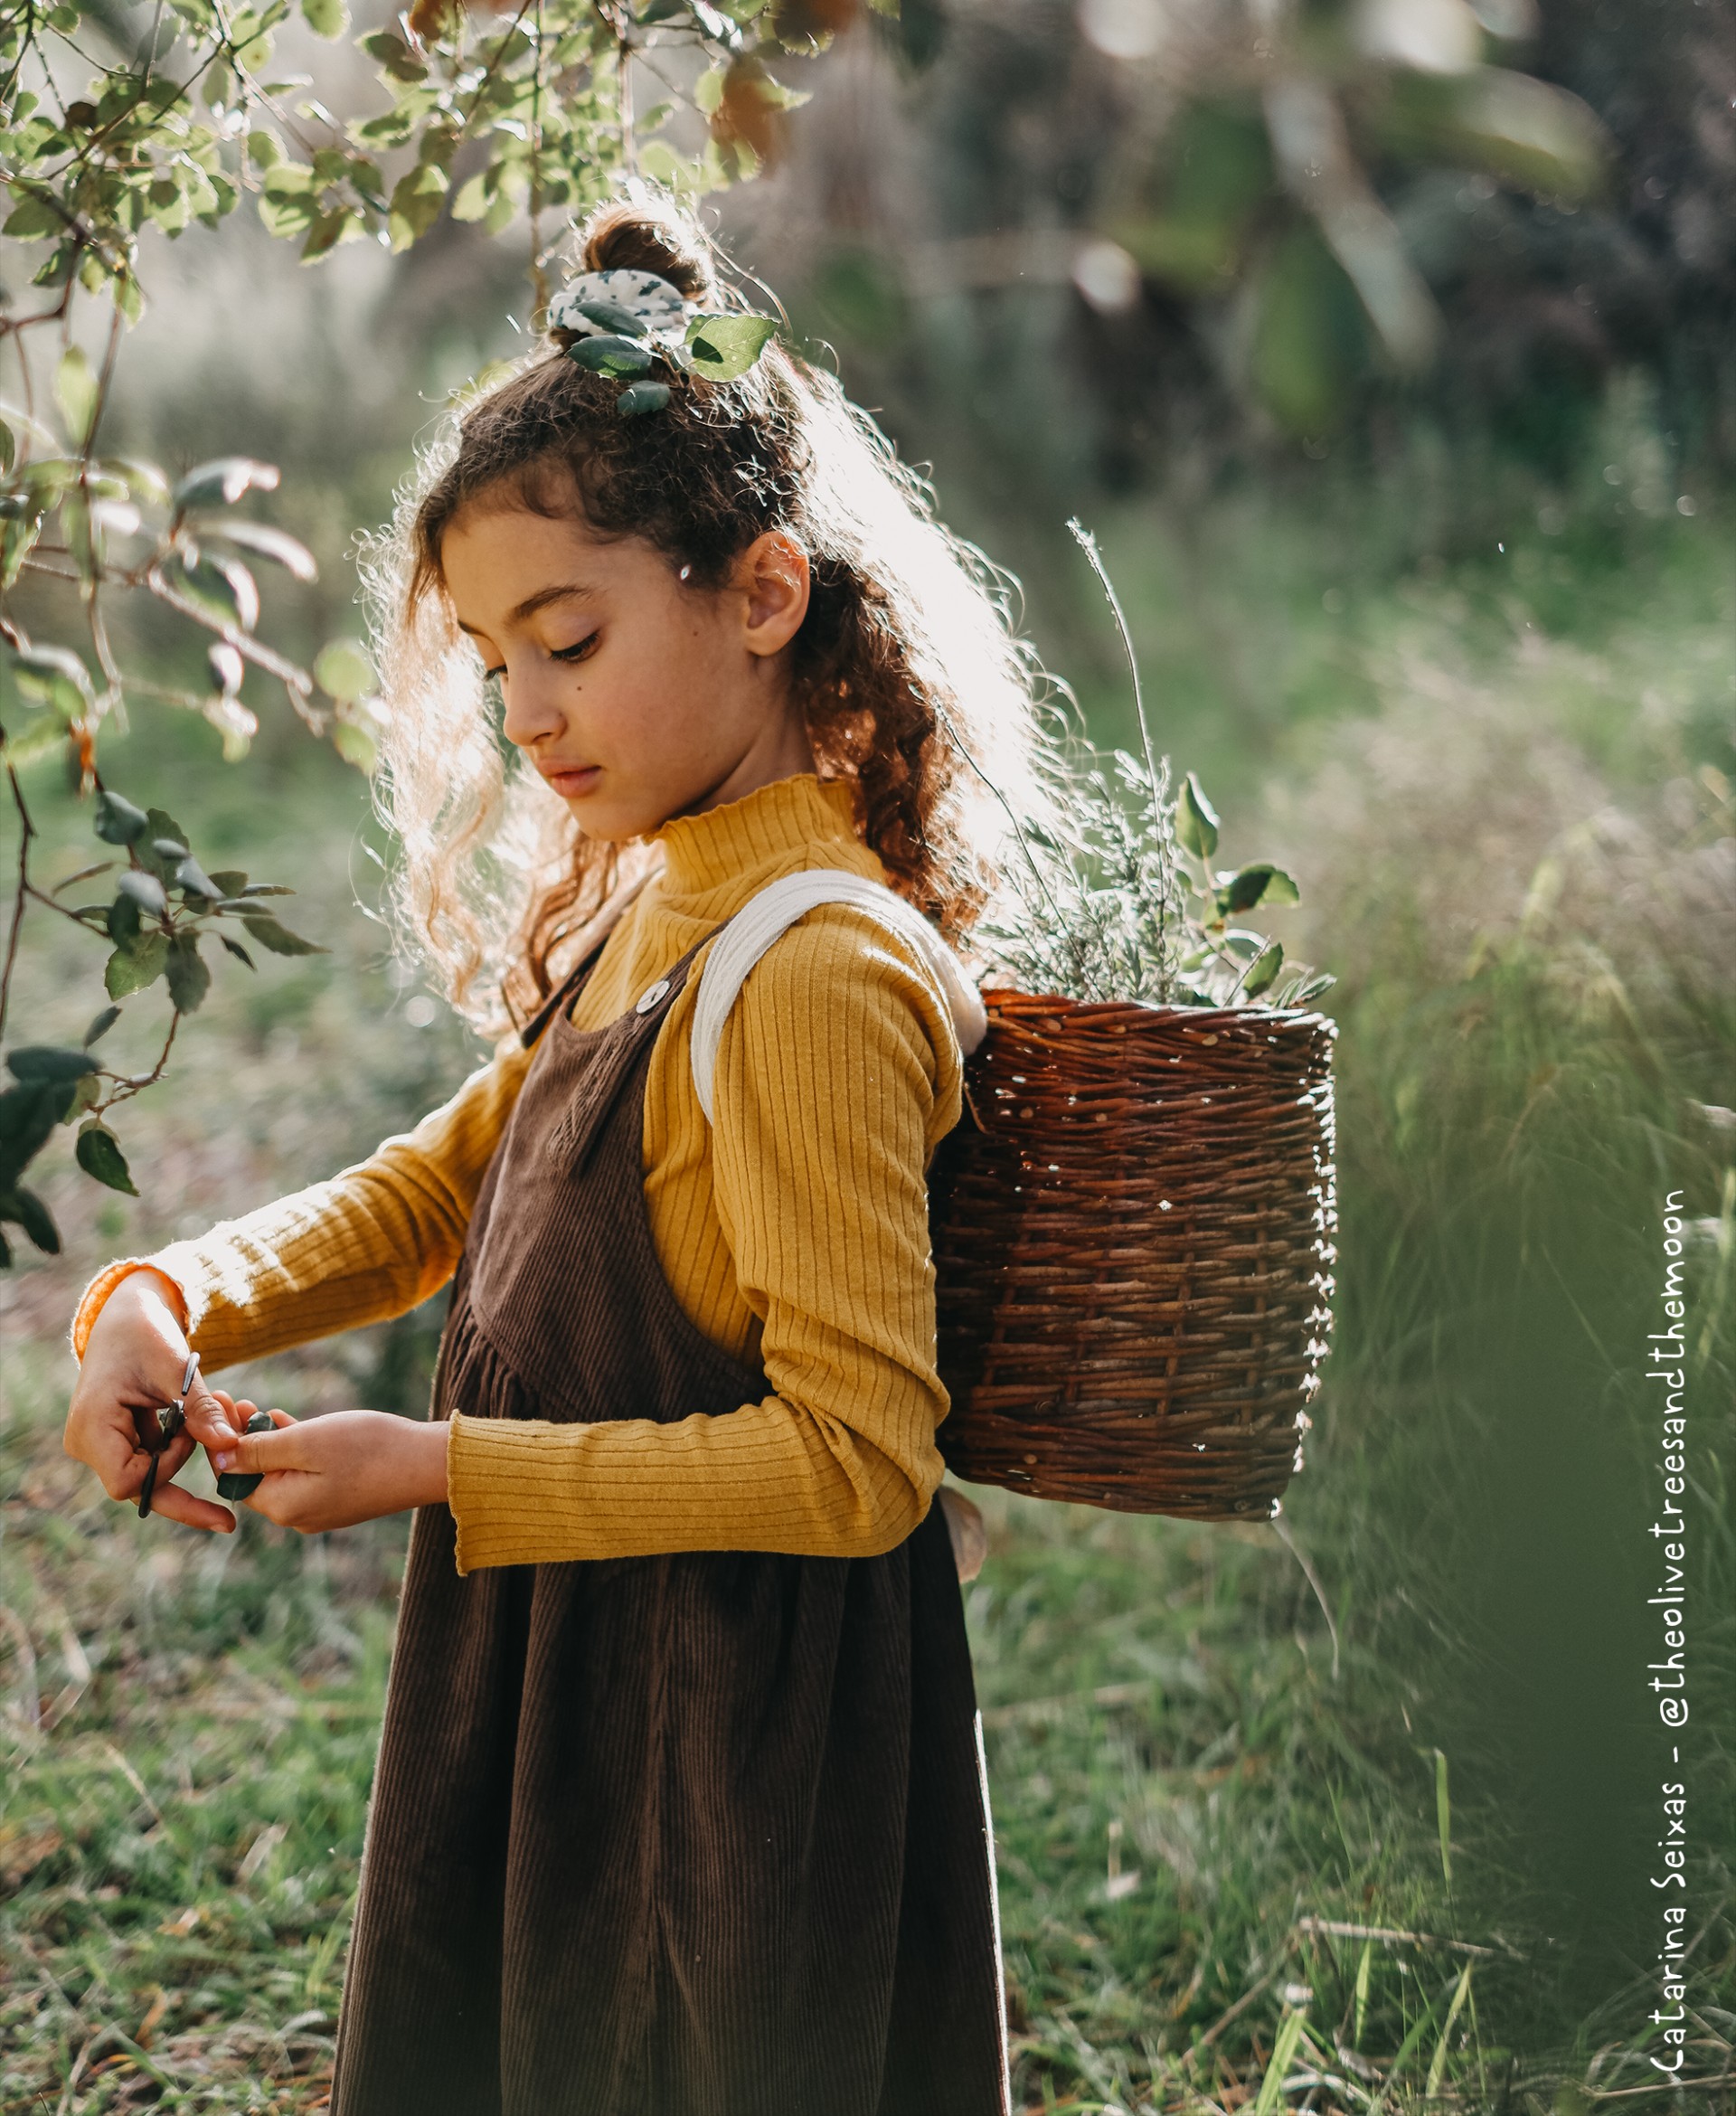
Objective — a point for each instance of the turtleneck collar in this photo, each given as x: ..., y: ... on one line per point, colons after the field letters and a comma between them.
x: 760, y: 829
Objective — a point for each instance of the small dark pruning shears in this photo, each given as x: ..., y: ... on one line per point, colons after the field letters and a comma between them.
x: 157, y: 1429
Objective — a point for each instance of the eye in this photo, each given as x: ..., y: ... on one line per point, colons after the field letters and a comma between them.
x: 576, y: 652
x: 493, y: 675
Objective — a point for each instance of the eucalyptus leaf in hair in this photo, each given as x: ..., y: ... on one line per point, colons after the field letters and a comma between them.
x: 623, y: 356
x: 723, y: 349
x: 640, y: 397
x: 609, y: 315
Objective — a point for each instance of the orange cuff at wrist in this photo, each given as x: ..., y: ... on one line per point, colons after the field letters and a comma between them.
x: 95, y: 1295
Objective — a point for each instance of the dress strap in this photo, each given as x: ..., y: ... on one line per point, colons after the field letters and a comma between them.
x: 569, y: 989
x: 776, y: 908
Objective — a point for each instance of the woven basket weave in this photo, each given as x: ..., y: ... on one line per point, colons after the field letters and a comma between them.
x: 1133, y: 1235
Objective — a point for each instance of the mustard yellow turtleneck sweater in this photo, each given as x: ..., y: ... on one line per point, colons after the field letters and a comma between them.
x: 793, y: 1232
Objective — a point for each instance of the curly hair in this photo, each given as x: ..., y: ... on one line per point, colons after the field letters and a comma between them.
x: 913, y: 685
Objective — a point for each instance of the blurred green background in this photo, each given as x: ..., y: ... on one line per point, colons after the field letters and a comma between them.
x: 1437, y: 597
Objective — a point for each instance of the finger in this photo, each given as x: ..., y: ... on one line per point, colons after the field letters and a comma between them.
x: 208, y: 1418
x: 287, y: 1499
x: 188, y: 1508
x: 258, y: 1454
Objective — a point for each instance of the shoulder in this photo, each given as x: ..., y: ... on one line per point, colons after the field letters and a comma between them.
x: 847, y: 965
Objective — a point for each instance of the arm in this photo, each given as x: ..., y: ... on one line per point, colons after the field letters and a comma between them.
x: 372, y: 1241
x: 826, y: 1116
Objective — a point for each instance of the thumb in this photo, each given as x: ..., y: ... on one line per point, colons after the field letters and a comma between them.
x: 208, y: 1415
x: 257, y: 1454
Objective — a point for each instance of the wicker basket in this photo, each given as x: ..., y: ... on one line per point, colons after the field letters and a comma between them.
x: 1133, y: 1235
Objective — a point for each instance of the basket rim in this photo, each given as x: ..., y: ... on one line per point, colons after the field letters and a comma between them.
x: 1161, y: 1010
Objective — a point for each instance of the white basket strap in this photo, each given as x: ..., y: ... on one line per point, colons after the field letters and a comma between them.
x: 754, y: 929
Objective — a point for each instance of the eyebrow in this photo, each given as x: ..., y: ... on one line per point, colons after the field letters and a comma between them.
x: 569, y: 591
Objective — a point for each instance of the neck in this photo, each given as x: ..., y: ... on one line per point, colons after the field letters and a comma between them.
x: 779, y: 749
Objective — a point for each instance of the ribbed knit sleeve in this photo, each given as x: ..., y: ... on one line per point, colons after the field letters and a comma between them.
x: 371, y: 1241
x: 837, y: 1074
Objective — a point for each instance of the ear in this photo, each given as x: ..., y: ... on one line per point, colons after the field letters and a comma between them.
x: 771, y: 575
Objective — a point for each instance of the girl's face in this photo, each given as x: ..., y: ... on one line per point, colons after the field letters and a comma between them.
x: 636, y: 694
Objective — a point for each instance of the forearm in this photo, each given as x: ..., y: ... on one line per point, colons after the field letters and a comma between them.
x: 371, y: 1242
x: 766, y: 1477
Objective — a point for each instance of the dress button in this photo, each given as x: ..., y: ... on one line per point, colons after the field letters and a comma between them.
x: 648, y: 998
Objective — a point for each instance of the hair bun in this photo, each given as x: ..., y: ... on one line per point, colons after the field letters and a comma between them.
x: 638, y: 235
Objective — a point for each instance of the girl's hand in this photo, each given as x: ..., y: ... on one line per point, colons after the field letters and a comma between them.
x: 334, y: 1471
x: 133, y: 1365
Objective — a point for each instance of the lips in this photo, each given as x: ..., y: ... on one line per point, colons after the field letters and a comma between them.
x: 567, y: 780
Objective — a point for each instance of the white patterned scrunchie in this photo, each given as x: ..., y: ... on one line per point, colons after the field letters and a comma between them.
x: 623, y: 322
x: 651, y: 304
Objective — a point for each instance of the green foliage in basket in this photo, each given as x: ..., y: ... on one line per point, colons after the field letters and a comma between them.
x: 1124, y: 900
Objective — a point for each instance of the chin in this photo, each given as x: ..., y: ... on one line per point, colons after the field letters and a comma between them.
x: 605, y: 824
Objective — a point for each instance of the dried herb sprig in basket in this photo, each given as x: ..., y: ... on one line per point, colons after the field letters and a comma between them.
x: 1133, y: 1220
x: 1128, y: 904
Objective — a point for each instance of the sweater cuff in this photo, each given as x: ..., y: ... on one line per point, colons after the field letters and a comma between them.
x: 508, y: 1509
x: 96, y: 1294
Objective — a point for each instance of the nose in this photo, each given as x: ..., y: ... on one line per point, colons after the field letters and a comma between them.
x: 533, y: 704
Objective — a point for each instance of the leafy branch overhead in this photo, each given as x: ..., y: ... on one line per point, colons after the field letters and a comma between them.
x: 191, y: 115
x: 154, y: 914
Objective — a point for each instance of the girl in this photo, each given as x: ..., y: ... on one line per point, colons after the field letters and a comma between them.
x: 679, y: 1808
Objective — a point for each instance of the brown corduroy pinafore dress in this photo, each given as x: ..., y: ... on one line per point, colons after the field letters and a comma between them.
x: 694, y: 1835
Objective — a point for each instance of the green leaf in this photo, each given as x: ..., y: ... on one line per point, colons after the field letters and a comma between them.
x: 99, y: 1155
x: 102, y: 1026
x: 18, y: 536
x: 229, y: 882
x: 286, y: 217
x: 51, y: 676
x: 356, y: 746
x: 611, y: 355
x: 43, y: 734
x: 1267, y: 965
x: 609, y: 315
x: 1261, y: 884
x: 287, y: 552
x: 723, y: 349
x: 223, y: 481
x: 28, y: 1116
x: 163, y: 825
x: 86, y: 1094
x: 1196, y: 821
x: 118, y: 822
x: 40, y: 1062
x: 278, y: 939
x: 32, y: 1216
x: 1322, y: 981
x: 343, y: 671
x: 640, y: 397
x: 325, y: 18
x: 393, y: 54
x: 192, y: 880
x: 416, y: 202
x: 145, y: 889
x: 135, y: 965
x: 188, y: 972
x: 75, y: 392
x: 31, y: 219
x: 222, y: 587
x: 236, y: 950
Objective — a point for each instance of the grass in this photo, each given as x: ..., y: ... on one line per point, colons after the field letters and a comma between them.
x: 1248, y: 1858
